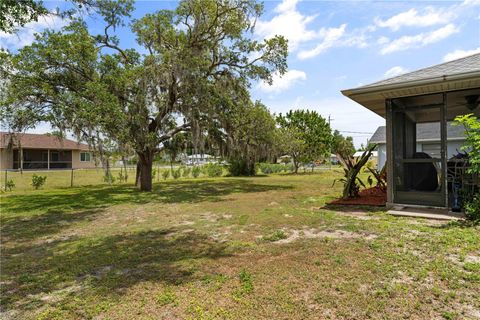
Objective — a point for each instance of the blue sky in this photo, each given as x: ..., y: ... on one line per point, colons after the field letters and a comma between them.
x: 335, y: 45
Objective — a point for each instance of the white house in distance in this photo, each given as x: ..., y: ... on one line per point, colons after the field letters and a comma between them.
x: 428, y: 141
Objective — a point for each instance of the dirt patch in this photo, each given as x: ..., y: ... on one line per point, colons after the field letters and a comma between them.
x: 311, y: 233
x: 367, y: 197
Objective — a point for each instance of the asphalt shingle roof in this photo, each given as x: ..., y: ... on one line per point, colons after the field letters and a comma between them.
x: 425, y: 132
x: 462, y: 65
x: 41, y: 141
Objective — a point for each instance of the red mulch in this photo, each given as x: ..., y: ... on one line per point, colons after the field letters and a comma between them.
x: 370, y: 197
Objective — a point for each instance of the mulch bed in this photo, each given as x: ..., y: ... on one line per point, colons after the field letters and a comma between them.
x: 369, y: 197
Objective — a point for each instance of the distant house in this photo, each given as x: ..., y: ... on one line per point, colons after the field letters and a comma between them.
x: 428, y: 141
x: 199, y: 159
x: 43, y: 151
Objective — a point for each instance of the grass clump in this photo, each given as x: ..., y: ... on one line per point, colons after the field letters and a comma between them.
x: 167, y: 297
x: 275, y: 236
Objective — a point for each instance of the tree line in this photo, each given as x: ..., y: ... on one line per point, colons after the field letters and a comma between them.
x: 186, y: 82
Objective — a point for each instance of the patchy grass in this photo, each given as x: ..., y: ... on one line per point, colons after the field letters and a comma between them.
x: 191, y: 250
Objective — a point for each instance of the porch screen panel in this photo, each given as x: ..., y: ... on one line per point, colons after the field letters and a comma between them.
x: 418, y: 175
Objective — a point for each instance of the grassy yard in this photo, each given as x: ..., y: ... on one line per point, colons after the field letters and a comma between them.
x: 229, y: 248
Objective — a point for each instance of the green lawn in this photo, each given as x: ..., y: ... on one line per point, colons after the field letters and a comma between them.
x: 229, y: 248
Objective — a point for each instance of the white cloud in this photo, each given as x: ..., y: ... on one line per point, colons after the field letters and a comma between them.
x: 412, y: 18
x: 26, y: 35
x: 284, y: 82
x: 289, y: 23
x: 457, y: 54
x: 420, y: 40
x: 471, y: 3
x: 330, y: 37
x: 383, y: 40
x: 395, y: 71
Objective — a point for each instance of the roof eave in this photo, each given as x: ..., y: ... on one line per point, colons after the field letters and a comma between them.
x: 405, y: 84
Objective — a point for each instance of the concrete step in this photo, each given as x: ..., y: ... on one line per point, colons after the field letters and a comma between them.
x: 427, y: 213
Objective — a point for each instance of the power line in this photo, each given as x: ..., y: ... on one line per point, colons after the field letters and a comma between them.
x: 359, y: 132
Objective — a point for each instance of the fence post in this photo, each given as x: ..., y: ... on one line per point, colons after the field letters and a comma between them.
x: 6, y: 177
x: 71, y: 179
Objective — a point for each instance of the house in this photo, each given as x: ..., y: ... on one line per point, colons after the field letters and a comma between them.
x: 199, y: 159
x: 427, y: 141
x: 42, y: 151
x: 430, y: 97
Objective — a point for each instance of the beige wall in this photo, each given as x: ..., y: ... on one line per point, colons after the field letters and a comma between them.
x: 6, y: 159
x: 77, y: 164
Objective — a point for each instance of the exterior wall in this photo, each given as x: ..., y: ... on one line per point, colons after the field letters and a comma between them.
x: 6, y: 159
x: 77, y: 164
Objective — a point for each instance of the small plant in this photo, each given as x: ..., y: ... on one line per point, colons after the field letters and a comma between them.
x: 213, y: 170
x: 38, y: 181
x: 9, y: 184
x: 167, y: 297
x: 246, y: 284
x: 186, y: 172
x: 122, y: 177
x: 176, y: 173
x: 277, y: 235
x: 352, y: 167
x: 109, y: 178
x: 196, y: 171
x: 165, y: 174
x: 472, y: 209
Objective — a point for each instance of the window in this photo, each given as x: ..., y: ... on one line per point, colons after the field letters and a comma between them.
x: 85, y: 156
x: 54, y: 157
x: 45, y: 156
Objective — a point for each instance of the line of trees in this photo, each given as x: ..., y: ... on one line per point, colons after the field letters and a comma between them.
x: 185, y: 85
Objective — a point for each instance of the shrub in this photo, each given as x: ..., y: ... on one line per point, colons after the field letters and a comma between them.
x: 268, y: 168
x: 38, y: 181
x: 176, y: 173
x: 186, y: 172
x: 240, y: 167
x: 109, y: 178
x: 213, y: 169
x: 472, y: 209
x: 165, y: 174
x: 9, y: 184
x: 196, y: 171
x: 123, y: 177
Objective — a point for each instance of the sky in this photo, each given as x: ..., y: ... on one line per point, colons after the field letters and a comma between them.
x: 333, y: 45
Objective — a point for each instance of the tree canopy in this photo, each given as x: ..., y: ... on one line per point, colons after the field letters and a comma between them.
x: 307, y: 127
x: 195, y: 57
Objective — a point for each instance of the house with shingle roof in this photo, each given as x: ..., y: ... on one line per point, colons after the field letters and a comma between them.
x: 42, y: 151
x: 428, y: 141
x: 423, y: 165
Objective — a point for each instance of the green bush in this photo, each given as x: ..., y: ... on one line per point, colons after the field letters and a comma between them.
x: 196, y: 171
x: 186, y: 172
x: 268, y: 168
x: 9, y: 184
x: 240, y: 167
x: 109, y: 178
x: 213, y: 169
x: 472, y: 209
x: 38, y: 181
x: 177, y: 173
x: 165, y: 174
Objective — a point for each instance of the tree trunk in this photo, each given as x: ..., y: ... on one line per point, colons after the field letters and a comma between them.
x: 125, y: 168
x: 137, y: 173
x: 146, y: 164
